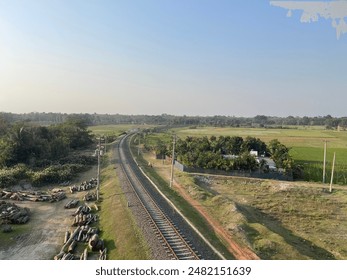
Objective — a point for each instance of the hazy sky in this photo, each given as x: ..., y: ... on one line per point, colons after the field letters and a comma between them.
x: 193, y: 57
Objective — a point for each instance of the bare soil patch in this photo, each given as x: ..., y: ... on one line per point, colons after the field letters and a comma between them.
x: 46, y: 228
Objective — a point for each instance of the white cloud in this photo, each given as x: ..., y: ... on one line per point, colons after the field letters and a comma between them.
x: 313, y: 10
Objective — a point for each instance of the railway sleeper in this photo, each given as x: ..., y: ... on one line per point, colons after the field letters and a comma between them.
x: 188, y: 258
x: 182, y: 255
x: 171, y: 234
x: 172, y: 239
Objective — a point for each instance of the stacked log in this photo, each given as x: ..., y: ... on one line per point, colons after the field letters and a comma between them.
x: 84, y: 255
x: 84, y: 219
x: 71, y: 204
x: 57, y: 196
x: 10, y: 213
x: 90, y: 196
x: 102, y: 255
x: 84, y: 186
x: 84, y: 234
x: 72, y: 246
x: 84, y: 209
x: 68, y: 257
x: 33, y: 195
x: 95, y: 243
x: 67, y: 236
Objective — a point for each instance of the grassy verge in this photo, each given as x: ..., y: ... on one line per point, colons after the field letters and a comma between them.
x: 118, y: 228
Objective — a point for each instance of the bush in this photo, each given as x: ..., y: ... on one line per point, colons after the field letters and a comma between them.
x: 56, y: 173
x: 10, y: 176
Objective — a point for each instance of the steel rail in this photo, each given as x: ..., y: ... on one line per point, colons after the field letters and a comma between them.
x: 174, y: 242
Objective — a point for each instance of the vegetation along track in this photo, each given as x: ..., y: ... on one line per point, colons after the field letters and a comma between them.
x: 180, y: 241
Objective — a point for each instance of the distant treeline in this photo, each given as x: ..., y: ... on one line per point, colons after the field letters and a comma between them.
x: 164, y: 119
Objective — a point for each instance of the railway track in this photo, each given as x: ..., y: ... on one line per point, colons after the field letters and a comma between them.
x: 175, y: 243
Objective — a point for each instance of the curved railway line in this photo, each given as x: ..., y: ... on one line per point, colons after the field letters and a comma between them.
x: 172, y: 238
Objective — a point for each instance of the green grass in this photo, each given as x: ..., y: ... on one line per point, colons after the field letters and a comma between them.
x: 121, y: 235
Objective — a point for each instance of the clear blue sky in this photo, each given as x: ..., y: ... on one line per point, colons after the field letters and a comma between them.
x: 192, y: 57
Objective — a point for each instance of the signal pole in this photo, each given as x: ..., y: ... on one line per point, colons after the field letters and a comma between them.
x: 173, y: 161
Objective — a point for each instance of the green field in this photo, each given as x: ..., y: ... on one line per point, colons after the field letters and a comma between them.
x: 278, y: 220
x: 306, y: 146
x: 115, y: 129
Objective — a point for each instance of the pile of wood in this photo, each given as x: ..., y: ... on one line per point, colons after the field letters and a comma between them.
x: 82, y: 209
x: 53, y: 196
x: 10, y: 213
x: 96, y: 244
x: 71, y: 204
x: 84, y: 186
x: 90, y: 196
x: 83, y: 216
x: 84, y: 219
x: 65, y: 256
x: 103, y: 253
x: 84, y: 234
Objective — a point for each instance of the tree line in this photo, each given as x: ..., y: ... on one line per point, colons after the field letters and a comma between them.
x: 328, y: 121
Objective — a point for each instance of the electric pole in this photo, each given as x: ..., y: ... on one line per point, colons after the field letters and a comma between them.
x: 98, y: 176
x: 325, y: 158
x: 332, y: 174
x: 138, y: 147
x: 173, y: 161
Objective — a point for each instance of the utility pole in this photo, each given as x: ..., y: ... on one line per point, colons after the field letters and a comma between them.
x: 105, y: 143
x: 173, y: 161
x: 138, y: 147
x: 325, y: 158
x: 332, y: 174
x: 98, y: 175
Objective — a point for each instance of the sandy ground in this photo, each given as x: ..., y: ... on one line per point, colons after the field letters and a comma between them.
x: 49, y: 222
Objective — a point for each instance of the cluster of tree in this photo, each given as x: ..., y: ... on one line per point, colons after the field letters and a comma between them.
x: 171, y: 120
x: 24, y: 142
x: 229, y: 153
